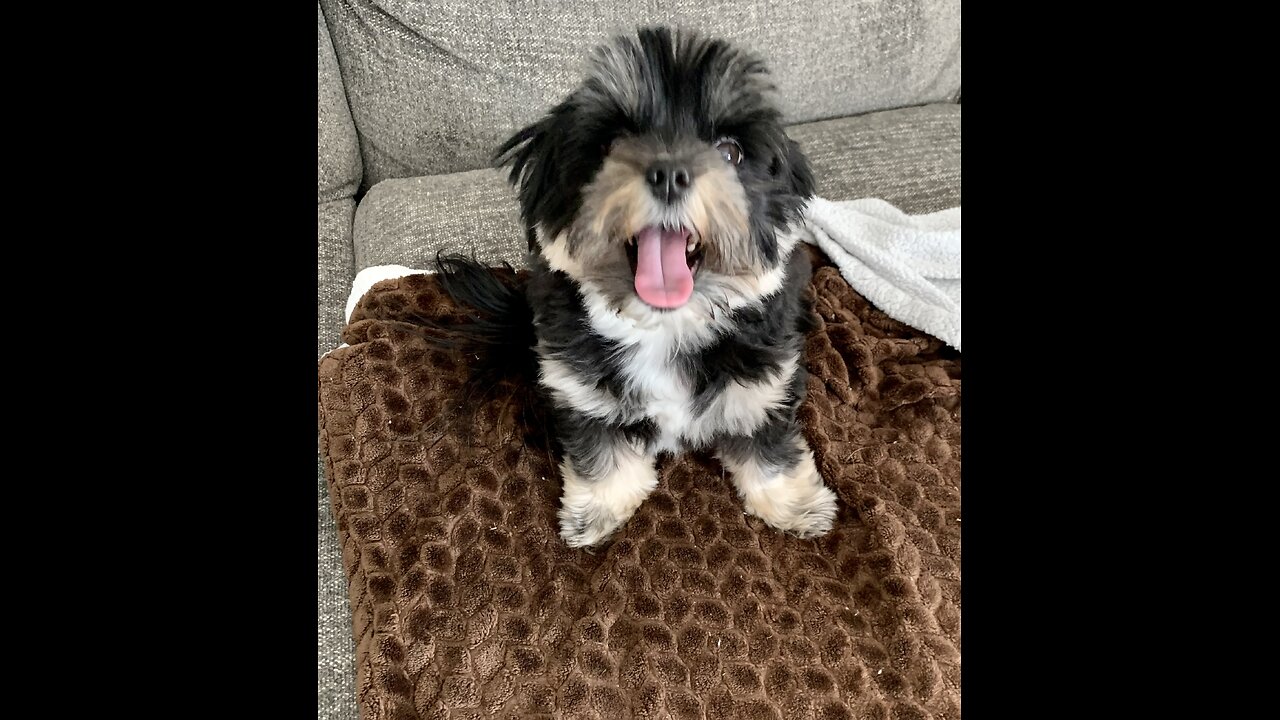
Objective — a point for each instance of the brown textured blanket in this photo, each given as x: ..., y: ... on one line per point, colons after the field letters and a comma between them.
x: 467, y: 604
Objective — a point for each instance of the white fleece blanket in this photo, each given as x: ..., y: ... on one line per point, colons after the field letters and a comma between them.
x: 908, y: 266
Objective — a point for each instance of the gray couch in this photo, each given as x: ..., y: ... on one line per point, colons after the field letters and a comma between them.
x: 413, y: 97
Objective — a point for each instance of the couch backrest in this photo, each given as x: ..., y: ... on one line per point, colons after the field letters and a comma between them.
x: 435, y: 86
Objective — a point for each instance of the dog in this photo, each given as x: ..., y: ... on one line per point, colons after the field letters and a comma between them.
x: 664, y: 308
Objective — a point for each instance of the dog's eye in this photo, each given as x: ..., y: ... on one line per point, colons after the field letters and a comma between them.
x: 730, y: 150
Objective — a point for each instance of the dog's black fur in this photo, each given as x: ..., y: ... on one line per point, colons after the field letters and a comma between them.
x: 678, y: 93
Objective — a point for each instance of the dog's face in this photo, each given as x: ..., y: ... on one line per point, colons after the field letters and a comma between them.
x: 666, y: 180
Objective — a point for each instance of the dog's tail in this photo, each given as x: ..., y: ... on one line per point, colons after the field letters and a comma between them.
x: 497, y: 339
x: 496, y: 342
x: 494, y: 339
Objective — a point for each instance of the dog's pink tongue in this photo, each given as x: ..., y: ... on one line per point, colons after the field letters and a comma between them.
x: 662, y: 276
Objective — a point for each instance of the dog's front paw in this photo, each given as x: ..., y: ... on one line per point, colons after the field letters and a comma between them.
x: 797, y: 502
x: 580, y: 528
x: 592, y: 510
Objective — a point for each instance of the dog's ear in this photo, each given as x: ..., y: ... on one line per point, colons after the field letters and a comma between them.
x: 527, y: 152
x: 793, y: 187
x: 799, y: 176
x: 520, y: 148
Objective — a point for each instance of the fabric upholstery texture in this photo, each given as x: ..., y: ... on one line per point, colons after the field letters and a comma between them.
x: 334, y: 270
x: 337, y: 145
x: 335, y: 651
x: 338, y: 173
x: 405, y: 221
x: 467, y: 604
x: 909, y: 158
x: 434, y: 87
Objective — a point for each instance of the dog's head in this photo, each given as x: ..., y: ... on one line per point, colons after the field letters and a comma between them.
x: 665, y: 178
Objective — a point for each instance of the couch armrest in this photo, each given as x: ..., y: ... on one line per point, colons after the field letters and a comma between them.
x: 339, y: 171
x: 335, y: 263
x: 338, y: 146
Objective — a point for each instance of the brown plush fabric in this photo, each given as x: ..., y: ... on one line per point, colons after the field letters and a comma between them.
x: 466, y: 603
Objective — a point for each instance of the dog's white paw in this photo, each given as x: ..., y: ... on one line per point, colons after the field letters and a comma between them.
x: 592, y: 510
x: 584, y: 530
x: 796, y: 502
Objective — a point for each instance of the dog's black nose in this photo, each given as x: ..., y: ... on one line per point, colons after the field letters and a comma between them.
x: 668, y: 181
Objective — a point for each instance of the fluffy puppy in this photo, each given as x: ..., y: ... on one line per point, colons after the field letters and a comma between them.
x: 664, y: 301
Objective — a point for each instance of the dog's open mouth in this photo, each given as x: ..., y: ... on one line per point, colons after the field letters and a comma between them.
x: 664, y: 261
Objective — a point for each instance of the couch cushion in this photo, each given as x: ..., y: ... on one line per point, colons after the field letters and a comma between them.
x: 406, y: 221
x: 434, y: 87
x: 908, y: 157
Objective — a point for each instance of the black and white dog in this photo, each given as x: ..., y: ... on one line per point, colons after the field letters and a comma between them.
x: 664, y: 303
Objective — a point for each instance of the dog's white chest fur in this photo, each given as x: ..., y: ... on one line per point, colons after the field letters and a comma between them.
x: 658, y: 388
x: 664, y: 394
